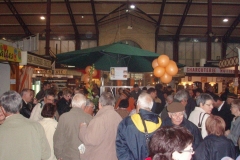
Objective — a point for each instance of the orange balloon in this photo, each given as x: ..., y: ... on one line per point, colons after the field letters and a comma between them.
x: 155, y: 63
x: 94, y: 73
x: 158, y: 71
x: 172, y: 68
x: 87, y: 69
x: 85, y: 78
x: 163, y: 60
x: 166, y: 78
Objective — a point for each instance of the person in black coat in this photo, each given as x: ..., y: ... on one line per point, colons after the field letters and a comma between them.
x: 159, y: 89
x: 63, y: 105
x: 41, y: 93
x: 215, y: 146
x: 176, y: 114
x: 27, y: 97
x: 222, y: 109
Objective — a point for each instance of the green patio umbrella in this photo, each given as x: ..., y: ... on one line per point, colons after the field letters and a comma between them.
x: 112, y: 55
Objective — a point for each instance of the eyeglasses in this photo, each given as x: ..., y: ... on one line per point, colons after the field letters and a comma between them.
x: 93, y: 107
x: 208, y: 105
x: 189, y: 150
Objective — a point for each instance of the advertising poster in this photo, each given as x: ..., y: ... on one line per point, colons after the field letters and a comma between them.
x: 118, y: 73
x: 8, y: 53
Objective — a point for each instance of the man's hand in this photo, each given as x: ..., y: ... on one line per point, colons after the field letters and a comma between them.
x: 227, y: 132
x: 82, y: 124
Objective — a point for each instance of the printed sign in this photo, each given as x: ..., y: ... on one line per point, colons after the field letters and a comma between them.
x: 207, y: 70
x: 8, y: 53
x: 38, y: 61
x: 118, y: 73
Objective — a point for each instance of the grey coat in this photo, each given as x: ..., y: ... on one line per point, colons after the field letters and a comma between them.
x: 65, y: 139
x: 235, y: 131
x: 23, y: 139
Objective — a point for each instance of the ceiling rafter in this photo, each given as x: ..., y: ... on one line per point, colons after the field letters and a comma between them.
x: 95, y: 18
x: 135, y: 2
x: 18, y: 17
x: 231, y: 28
x: 72, y: 19
x: 113, y: 11
x: 142, y: 12
x: 113, y: 19
x: 160, y: 17
x: 183, y: 18
x: 140, y: 17
x: 104, y: 14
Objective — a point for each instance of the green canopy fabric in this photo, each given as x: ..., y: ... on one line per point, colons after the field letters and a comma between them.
x: 112, y: 55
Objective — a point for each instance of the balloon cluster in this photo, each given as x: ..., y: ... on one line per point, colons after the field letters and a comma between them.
x: 164, y: 68
x: 90, y: 73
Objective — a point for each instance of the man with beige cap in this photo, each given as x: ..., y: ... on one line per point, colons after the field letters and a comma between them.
x: 176, y: 112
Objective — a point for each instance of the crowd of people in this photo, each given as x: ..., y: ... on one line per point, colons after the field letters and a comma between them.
x: 152, y: 123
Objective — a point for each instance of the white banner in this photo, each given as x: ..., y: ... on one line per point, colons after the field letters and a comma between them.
x: 118, y: 73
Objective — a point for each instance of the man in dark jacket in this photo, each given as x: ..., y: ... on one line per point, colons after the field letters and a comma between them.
x: 131, y: 142
x: 135, y: 92
x: 176, y: 114
x: 27, y: 97
x: 41, y: 93
x: 159, y: 89
x: 222, y: 109
x: 157, y: 108
x: 63, y: 105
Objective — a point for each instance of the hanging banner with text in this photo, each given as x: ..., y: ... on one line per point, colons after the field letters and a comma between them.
x: 8, y: 53
x: 208, y: 70
x: 118, y: 73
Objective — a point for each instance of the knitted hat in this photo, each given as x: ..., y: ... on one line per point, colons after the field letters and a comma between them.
x: 175, y: 107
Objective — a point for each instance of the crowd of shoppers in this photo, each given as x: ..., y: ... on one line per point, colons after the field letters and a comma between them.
x: 152, y: 123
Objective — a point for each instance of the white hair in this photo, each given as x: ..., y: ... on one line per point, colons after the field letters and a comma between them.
x: 145, y: 101
x: 79, y: 101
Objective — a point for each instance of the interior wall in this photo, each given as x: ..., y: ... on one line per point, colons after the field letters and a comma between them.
x: 190, y: 53
x: 142, y: 33
x: 5, y: 80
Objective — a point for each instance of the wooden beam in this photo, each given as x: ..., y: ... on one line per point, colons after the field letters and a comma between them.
x: 95, y: 20
x: 159, y: 22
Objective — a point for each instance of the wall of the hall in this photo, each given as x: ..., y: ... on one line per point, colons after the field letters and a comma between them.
x: 190, y: 53
x: 4, y: 78
x: 141, y: 33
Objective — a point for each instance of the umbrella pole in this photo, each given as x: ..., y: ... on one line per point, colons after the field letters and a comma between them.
x: 102, y: 83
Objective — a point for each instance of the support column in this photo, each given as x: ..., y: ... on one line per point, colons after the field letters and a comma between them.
x: 175, y: 49
x: 48, y: 30
x: 209, y: 32
x: 224, y: 49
